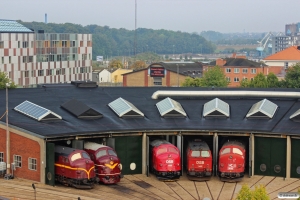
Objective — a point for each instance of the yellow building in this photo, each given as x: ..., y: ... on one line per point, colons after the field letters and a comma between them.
x: 116, y: 75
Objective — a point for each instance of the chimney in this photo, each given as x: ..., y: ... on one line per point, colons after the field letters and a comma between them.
x: 220, y: 62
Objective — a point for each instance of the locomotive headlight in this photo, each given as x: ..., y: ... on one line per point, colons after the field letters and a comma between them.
x: 177, y: 164
x: 120, y: 166
x: 160, y: 165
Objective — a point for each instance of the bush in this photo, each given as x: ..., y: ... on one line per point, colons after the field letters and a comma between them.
x: 259, y: 193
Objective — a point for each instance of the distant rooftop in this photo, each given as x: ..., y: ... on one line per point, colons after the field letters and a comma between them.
x: 11, y: 26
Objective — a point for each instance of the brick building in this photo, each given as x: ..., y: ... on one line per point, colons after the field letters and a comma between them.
x: 30, y: 58
x: 170, y: 74
x: 237, y: 69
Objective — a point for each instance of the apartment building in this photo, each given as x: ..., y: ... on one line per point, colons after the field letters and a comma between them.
x: 30, y: 58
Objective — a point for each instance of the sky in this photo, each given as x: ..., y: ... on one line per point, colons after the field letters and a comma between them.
x: 192, y: 16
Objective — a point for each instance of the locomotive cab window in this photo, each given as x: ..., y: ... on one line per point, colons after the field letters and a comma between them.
x: 225, y: 151
x: 111, y: 153
x: 237, y: 151
x: 161, y: 150
x: 205, y: 154
x: 195, y: 154
x: 76, y: 156
x: 85, y: 155
x: 101, y: 153
x: 173, y: 150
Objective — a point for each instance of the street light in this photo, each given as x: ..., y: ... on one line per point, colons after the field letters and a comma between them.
x: 7, y: 133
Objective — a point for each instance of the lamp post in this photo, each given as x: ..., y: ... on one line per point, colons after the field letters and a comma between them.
x: 7, y: 133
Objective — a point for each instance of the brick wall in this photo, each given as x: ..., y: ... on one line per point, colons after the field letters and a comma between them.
x: 24, y: 147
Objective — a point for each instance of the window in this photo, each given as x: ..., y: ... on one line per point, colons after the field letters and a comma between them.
x: 26, y: 74
x: 24, y: 59
x: 225, y: 151
x: 2, y: 60
x: 245, y: 71
x: 76, y: 156
x: 58, y: 72
x: 32, y: 44
x: 205, y: 154
x: 101, y: 153
x: 236, y: 70
x: 173, y: 150
x: 236, y: 79
x: 58, y: 57
x: 30, y: 59
x: 228, y: 70
x: 82, y: 69
x: 64, y: 43
x: 51, y: 57
x: 85, y: 155
x: 18, y: 161
x: 161, y: 150
x: 245, y: 78
x: 9, y: 59
x: 228, y: 79
x: 251, y: 79
x: 195, y: 154
x: 50, y: 72
x: 32, y: 164
x: 32, y: 73
x: 25, y: 44
x: 237, y: 151
x: 18, y: 44
x: 253, y: 71
x: 111, y: 152
x: 286, y: 65
x: 1, y: 44
x: 157, y: 81
x: 41, y: 72
x: 84, y: 56
x: 1, y: 157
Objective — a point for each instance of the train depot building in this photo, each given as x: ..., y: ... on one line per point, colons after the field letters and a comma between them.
x: 128, y: 119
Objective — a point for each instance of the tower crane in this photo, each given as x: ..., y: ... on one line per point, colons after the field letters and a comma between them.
x: 262, y: 44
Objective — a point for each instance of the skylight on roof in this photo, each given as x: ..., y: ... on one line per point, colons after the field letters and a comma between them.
x: 36, y: 112
x: 80, y: 110
x: 216, y: 108
x: 295, y: 115
x: 170, y: 108
x: 263, y: 108
x: 124, y: 108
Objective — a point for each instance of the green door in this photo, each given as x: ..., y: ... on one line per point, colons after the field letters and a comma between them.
x: 50, y: 170
x: 295, y: 160
x: 270, y: 156
x: 129, y: 150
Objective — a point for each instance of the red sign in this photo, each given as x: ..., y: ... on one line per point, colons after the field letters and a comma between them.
x: 157, y: 72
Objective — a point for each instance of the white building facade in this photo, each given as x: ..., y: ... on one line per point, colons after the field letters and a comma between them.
x: 31, y: 58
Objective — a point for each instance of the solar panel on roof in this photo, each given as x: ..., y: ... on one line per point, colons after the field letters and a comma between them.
x: 295, y: 115
x: 124, y: 108
x: 36, y: 112
x: 13, y: 26
x: 216, y: 108
x: 263, y: 108
x: 170, y: 108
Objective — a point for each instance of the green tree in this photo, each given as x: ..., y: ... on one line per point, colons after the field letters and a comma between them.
x: 245, y: 83
x: 191, y: 82
x: 259, y: 81
x: 259, y: 193
x: 292, y: 77
x: 273, y: 81
x: 214, y: 77
x: 116, y: 64
x: 4, y: 79
x: 138, y: 65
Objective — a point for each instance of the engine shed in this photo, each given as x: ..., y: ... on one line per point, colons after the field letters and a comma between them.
x: 129, y: 118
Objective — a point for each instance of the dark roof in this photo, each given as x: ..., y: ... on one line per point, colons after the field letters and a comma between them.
x: 198, y: 145
x: 238, y: 143
x: 157, y: 143
x: 192, y: 69
x: 240, y: 62
x: 99, y: 98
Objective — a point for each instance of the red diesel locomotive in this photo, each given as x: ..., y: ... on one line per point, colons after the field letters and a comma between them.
x: 232, y: 161
x: 165, y: 161
x: 199, y: 160
x: 107, y: 164
x: 74, y: 167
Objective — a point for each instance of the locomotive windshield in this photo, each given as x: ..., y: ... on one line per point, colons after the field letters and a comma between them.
x: 101, y: 153
x: 204, y: 154
x: 76, y: 156
x: 161, y: 150
x: 173, y: 150
x: 237, y: 151
x: 111, y: 153
x: 225, y: 151
x: 85, y: 155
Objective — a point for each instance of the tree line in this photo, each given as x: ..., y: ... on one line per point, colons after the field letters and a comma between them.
x: 110, y: 42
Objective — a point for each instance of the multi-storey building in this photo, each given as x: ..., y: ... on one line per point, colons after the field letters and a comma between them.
x: 30, y: 58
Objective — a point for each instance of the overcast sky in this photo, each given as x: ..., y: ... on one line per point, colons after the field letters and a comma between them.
x: 224, y: 16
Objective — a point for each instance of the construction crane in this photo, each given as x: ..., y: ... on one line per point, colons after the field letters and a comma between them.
x: 262, y: 44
